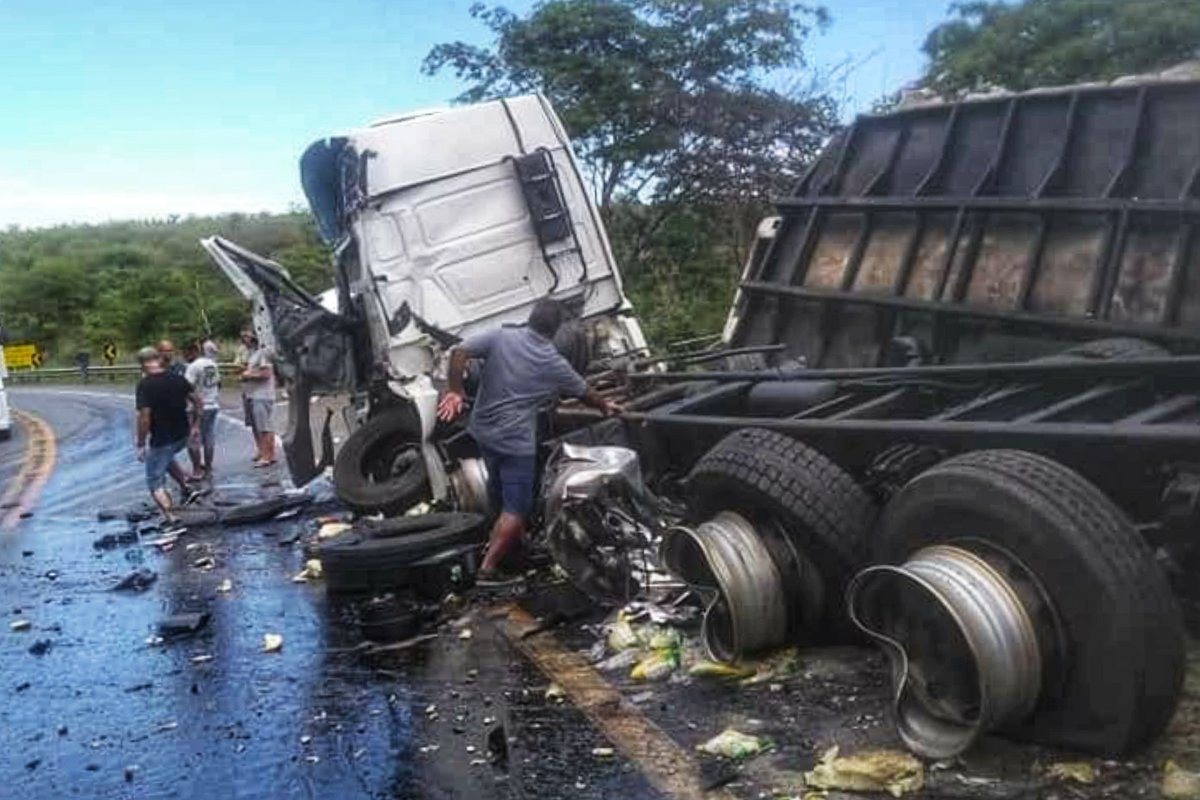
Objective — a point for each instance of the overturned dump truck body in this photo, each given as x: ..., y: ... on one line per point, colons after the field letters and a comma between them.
x: 973, y: 428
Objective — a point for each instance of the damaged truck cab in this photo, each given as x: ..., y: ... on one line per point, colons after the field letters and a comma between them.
x: 442, y: 224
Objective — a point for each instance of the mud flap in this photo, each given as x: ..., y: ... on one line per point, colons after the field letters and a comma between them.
x: 297, y: 438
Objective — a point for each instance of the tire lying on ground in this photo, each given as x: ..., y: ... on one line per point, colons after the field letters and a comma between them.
x: 376, y: 555
x: 813, y: 515
x: 379, y: 467
x: 1110, y: 634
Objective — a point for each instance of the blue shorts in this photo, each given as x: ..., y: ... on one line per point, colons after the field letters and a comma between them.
x: 208, y: 427
x: 510, y: 481
x: 158, y: 461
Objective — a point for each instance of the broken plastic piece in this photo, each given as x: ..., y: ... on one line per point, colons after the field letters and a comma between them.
x: 225, y: 586
x: 717, y: 669
x: 312, y: 571
x: 555, y: 693
x: 1179, y: 783
x: 272, y: 643
x: 890, y: 771
x: 656, y: 666
x: 734, y: 745
x: 331, y: 529
x: 1077, y: 771
x: 20, y: 625
x: 182, y: 624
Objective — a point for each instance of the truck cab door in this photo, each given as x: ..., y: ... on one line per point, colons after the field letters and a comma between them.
x: 313, y: 346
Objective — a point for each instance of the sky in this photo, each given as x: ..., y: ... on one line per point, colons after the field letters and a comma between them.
x: 133, y: 109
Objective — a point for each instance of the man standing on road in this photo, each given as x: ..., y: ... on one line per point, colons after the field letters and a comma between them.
x: 205, y: 379
x: 162, y: 416
x: 522, y: 372
x: 258, y: 393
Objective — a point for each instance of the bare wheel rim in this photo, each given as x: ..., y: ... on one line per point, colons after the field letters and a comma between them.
x: 964, y: 647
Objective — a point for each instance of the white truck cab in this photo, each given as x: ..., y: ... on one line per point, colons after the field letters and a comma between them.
x: 443, y: 223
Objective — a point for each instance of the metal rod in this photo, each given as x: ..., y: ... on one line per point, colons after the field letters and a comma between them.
x: 1164, y: 441
x: 1083, y: 205
x: 935, y: 172
x: 1055, y: 172
x: 1011, y: 318
x: 1177, y: 367
x: 693, y: 356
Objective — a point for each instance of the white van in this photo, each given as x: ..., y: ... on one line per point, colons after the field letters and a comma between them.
x: 443, y: 223
x: 5, y: 416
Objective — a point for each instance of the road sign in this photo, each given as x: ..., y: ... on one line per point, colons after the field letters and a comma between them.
x: 35, y: 360
x: 21, y: 356
x: 110, y: 353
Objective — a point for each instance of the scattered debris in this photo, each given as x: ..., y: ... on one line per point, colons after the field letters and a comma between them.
x: 622, y: 636
x: 464, y: 634
x: 20, y: 625
x: 734, y: 745
x: 164, y: 543
x: 129, y: 773
x: 272, y: 643
x: 203, y: 658
x: 63, y: 730
x: 32, y: 765
x: 891, y: 771
x: 1077, y: 771
x: 137, y: 581
x: 555, y: 693
x: 717, y: 669
x: 312, y: 759
x: 225, y: 586
x: 166, y: 727
x: 179, y: 625
x: 21, y: 687
x: 51, y: 575
x: 603, y: 752
x: 658, y: 665
x: 205, y: 563
x: 140, y: 687
x: 332, y: 529
x: 41, y: 647
x: 312, y: 572
x: 1179, y: 783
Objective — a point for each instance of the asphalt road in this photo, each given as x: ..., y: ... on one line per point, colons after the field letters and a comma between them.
x: 106, y: 713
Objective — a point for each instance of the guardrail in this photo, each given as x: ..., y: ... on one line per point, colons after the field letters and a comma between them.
x: 124, y: 373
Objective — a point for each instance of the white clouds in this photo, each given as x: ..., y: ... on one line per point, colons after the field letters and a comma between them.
x: 31, y: 205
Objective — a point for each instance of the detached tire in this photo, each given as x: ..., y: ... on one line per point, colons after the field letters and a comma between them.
x: 377, y: 555
x: 1121, y: 668
x: 379, y: 467
x: 775, y: 481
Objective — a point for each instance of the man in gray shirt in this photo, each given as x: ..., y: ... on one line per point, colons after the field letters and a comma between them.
x: 522, y: 372
x: 258, y: 391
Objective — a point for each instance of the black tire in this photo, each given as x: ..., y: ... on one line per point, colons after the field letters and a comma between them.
x: 1121, y: 669
x: 778, y: 482
x: 379, y: 467
x: 376, y: 555
x: 1117, y: 349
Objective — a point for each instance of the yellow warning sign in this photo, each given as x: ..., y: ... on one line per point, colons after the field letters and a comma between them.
x: 20, y: 356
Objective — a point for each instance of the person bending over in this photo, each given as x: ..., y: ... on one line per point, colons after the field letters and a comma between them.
x: 522, y: 372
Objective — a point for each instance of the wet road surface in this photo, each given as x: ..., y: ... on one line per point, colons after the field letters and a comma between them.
x: 104, y: 712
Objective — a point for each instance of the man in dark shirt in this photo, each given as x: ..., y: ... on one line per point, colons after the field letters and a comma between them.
x: 162, y: 417
x: 522, y: 372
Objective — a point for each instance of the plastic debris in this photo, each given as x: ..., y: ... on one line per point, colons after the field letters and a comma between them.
x: 1077, y: 771
x: 332, y: 529
x: 137, y: 581
x: 312, y: 571
x: 272, y: 643
x: 622, y: 660
x: 465, y: 634
x: 225, y: 586
x: 182, y: 624
x: 603, y: 752
x: 891, y: 771
x: 734, y: 745
x: 656, y: 666
x: 20, y: 625
x: 203, y: 658
x: 206, y: 563
x: 716, y: 669
x: 1179, y: 783
x: 555, y: 693
x: 622, y: 636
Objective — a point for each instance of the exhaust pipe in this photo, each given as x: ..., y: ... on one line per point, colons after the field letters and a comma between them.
x: 964, y: 650
x: 730, y: 568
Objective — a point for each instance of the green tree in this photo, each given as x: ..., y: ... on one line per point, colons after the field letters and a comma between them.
x: 1055, y: 42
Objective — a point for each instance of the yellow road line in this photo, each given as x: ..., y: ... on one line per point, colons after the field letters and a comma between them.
x: 667, y: 766
x: 36, y: 465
